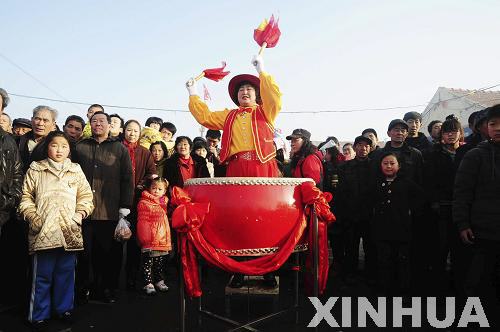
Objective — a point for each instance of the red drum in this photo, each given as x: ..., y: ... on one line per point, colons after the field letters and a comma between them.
x: 248, y: 216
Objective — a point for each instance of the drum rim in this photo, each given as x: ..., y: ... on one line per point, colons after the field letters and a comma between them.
x: 247, y: 181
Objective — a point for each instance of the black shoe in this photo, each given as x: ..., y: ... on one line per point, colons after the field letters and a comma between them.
x: 109, y: 296
x: 130, y: 284
x: 83, y: 297
x: 39, y: 325
x: 236, y: 281
x: 66, y: 317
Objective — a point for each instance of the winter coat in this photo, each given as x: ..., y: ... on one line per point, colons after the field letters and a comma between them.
x: 421, y: 143
x: 393, y: 206
x: 476, y: 198
x: 439, y: 171
x: 144, y: 165
x: 462, y: 150
x: 108, y: 169
x: 50, y: 199
x: 160, y: 167
x: 310, y: 167
x: 411, y: 162
x: 352, y: 198
x: 172, y: 170
x: 11, y: 176
x: 153, y: 230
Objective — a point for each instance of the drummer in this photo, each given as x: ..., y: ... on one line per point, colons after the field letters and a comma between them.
x: 247, y: 140
x: 248, y: 130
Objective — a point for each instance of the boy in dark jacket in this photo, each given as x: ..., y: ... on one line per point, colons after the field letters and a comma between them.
x: 476, y: 209
x: 352, y: 201
x: 439, y: 180
x: 394, y: 199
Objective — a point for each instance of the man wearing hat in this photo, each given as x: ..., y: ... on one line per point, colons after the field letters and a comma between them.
x: 21, y: 126
x: 354, y: 209
x: 248, y: 131
x: 411, y: 158
x: 415, y: 138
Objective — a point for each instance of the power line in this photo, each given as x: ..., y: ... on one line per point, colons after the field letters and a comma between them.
x: 287, y: 112
x: 34, y: 78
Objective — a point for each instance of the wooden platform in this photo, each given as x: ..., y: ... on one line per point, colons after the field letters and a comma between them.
x: 254, y: 285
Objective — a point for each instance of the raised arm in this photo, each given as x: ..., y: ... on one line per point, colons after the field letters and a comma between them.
x: 200, y: 111
x: 269, y: 91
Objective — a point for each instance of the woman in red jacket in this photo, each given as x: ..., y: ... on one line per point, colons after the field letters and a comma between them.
x: 153, y: 234
x: 306, y: 160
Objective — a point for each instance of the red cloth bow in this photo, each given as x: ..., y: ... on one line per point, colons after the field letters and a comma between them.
x: 311, y: 195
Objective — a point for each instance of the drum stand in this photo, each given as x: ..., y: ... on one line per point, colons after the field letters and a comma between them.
x: 248, y: 325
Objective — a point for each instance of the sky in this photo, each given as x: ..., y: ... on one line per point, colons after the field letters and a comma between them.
x: 332, y: 56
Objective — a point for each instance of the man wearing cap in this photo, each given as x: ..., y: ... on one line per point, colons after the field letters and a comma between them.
x: 372, y: 135
x: 352, y: 200
x: 411, y: 158
x: 415, y: 138
x: 21, y: 126
x: 248, y: 131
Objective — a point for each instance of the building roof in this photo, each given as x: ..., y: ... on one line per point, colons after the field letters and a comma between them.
x: 484, y: 98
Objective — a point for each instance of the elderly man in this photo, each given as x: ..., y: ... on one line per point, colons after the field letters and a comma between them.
x: 42, y: 122
x: 13, y: 248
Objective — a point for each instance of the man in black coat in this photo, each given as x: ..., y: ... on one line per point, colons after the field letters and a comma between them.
x: 476, y: 210
x: 411, y: 158
x: 415, y: 138
x: 439, y: 182
x: 480, y: 134
x: 411, y: 162
x: 353, y: 210
x: 13, y: 241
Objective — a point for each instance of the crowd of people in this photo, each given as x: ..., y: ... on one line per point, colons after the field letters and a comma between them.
x: 73, y: 197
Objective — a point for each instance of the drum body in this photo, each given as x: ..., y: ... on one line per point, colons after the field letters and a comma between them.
x: 248, y: 216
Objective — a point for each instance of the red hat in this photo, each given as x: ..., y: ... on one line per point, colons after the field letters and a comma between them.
x: 236, y: 81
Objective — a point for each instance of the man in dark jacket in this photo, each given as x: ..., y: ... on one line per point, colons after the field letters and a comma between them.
x: 411, y: 163
x: 352, y: 200
x: 13, y: 242
x: 480, y: 134
x: 31, y: 144
x: 411, y: 158
x: 476, y: 209
x: 108, y: 168
x: 415, y: 138
x: 439, y: 181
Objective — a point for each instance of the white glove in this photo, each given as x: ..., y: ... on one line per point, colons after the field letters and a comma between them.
x: 258, y: 63
x: 191, y: 87
x: 122, y: 213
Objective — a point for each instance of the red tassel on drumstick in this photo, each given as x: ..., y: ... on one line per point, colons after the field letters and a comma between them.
x: 267, y: 34
x: 214, y: 74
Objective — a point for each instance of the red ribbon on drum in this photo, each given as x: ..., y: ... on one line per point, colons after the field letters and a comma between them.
x: 189, y: 216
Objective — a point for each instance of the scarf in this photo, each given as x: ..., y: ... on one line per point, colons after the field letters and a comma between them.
x: 131, y: 151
